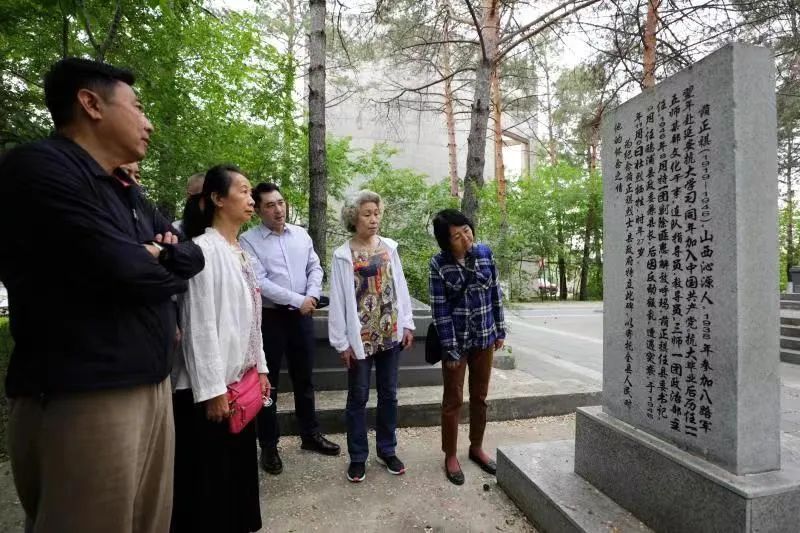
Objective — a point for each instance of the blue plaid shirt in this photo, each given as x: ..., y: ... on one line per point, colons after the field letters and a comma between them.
x: 476, y: 321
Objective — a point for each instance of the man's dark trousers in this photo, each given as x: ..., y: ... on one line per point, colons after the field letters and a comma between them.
x: 286, y: 331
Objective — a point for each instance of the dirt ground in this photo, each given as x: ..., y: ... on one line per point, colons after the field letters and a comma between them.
x: 313, y: 494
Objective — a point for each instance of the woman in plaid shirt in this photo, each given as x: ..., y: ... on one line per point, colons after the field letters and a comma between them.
x: 468, y: 314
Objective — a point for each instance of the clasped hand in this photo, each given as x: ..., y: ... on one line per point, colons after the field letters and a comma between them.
x: 349, y: 358
x: 219, y: 408
x: 167, y: 238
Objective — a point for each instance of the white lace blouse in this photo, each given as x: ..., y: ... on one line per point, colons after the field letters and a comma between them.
x: 220, y: 321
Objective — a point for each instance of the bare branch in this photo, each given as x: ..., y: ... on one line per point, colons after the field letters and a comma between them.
x: 112, y: 32
x: 477, y: 27
x: 423, y: 87
x: 339, y: 32
x: 453, y: 16
x: 429, y: 43
x: 540, y: 29
x: 341, y: 98
x: 86, y: 26
x: 524, y: 28
x: 24, y: 78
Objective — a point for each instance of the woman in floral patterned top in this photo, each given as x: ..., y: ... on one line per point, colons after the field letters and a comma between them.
x: 369, y: 321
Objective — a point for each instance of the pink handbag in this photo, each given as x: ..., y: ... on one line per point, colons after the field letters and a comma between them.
x: 245, y: 400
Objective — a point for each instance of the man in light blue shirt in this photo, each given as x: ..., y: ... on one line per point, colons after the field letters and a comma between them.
x: 291, y: 283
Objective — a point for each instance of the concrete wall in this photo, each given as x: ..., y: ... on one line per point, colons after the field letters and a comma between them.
x: 420, y: 136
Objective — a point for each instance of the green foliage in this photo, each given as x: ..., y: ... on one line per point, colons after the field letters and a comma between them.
x: 535, y: 205
x: 217, y: 91
x: 211, y: 86
x: 785, y: 213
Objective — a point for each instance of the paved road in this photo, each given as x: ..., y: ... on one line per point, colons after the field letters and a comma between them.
x: 565, y: 342
x: 556, y: 341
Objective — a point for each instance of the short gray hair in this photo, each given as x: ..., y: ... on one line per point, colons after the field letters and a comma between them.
x: 354, y: 203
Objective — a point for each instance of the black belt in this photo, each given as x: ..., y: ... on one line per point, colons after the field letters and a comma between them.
x: 280, y: 308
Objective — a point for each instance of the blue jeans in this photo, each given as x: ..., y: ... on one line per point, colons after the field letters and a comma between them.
x: 358, y: 378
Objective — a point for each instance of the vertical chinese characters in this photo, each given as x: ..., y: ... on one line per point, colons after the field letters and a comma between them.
x: 662, y: 174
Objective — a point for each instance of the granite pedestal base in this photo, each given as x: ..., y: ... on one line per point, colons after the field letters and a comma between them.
x: 541, y: 480
x: 618, y: 467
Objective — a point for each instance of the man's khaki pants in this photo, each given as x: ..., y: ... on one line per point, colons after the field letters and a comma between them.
x: 96, y: 461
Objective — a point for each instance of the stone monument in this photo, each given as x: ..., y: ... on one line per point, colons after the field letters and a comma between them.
x: 688, y: 436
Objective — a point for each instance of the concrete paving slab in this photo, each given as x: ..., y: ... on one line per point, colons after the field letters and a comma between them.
x: 790, y: 399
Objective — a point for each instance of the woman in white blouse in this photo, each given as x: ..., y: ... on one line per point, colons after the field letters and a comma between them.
x: 216, y: 471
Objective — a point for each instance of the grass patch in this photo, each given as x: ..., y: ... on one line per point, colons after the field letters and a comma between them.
x: 6, y: 345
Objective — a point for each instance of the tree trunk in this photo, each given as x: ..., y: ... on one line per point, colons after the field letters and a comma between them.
x: 552, y: 149
x: 452, y: 149
x: 100, y: 49
x: 562, y: 261
x: 291, y: 28
x: 500, y: 170
x: 591, y: 154
x: 587, y: 234
x: 111, y: 35
x: 499, y: 166
x: 64, y: 36
x: 598, y: 256
x: 790, y: 205
x: 318, y: 187
x: 450, y: 117
x: 650, y: 29
x: 479, y: 119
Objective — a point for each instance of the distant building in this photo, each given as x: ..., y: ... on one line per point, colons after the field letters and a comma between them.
x: 420, y: 136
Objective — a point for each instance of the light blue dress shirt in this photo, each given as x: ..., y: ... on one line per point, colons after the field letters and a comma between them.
x: 291, y: 268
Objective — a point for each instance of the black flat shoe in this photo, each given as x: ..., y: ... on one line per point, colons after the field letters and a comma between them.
x: 318, y: 443
x: 489, y: 467
x: 271, y: 462
x: 456, y: 478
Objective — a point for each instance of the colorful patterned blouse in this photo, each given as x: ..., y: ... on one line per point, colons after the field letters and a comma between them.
x: 255, y: 297
x: 376, y: 299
